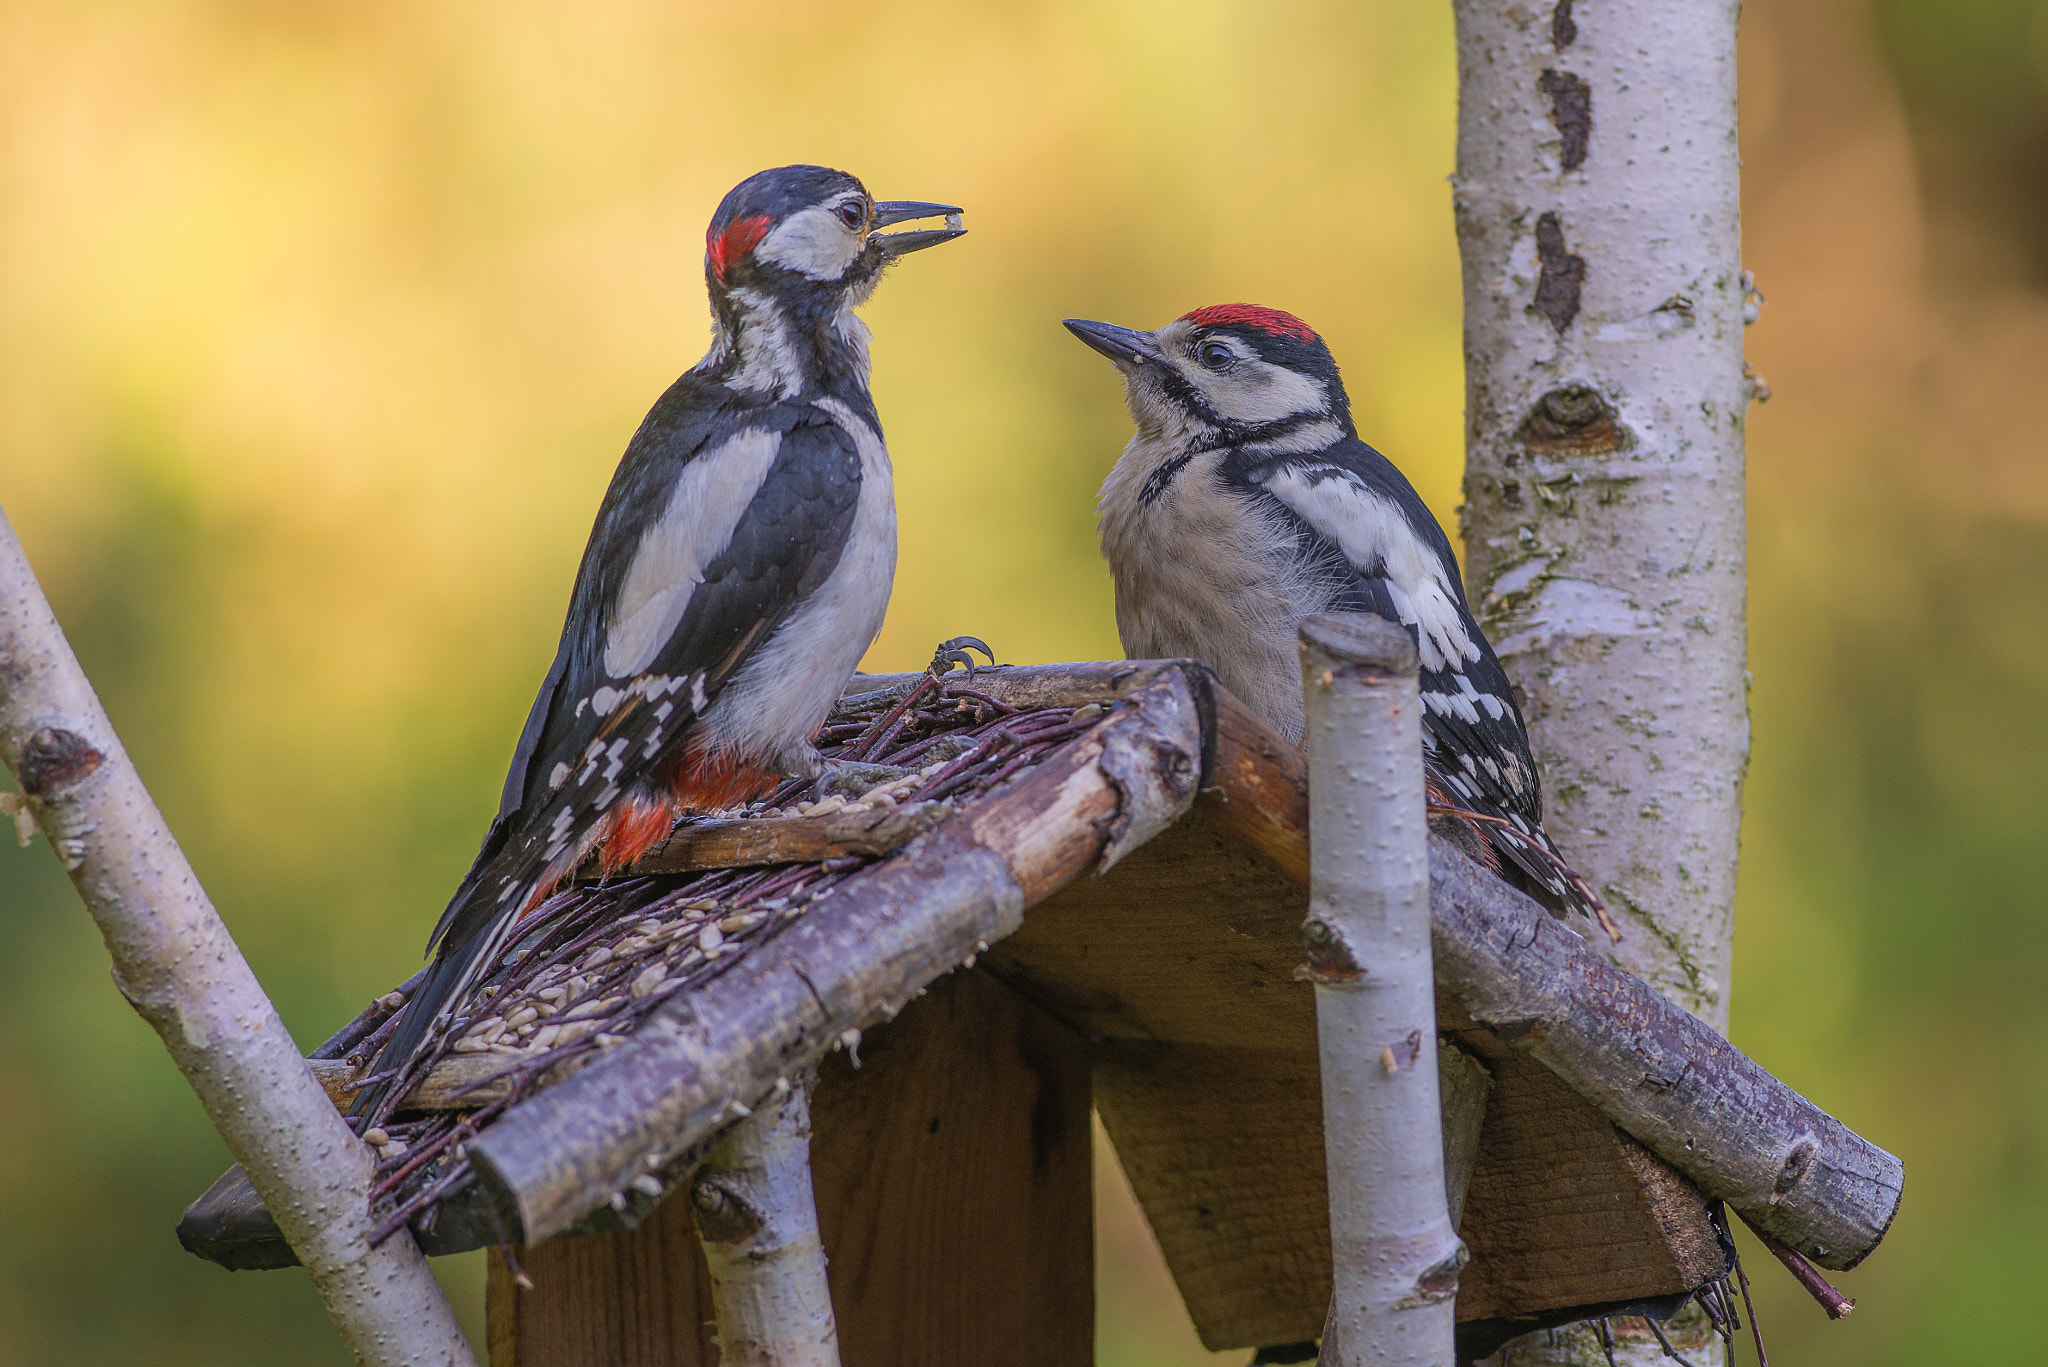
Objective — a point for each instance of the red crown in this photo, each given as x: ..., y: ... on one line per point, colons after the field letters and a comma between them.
x: 1273, y: 322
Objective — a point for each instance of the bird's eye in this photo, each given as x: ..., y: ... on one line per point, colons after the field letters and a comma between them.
x: 1215, y: 355
x: 852, y: 213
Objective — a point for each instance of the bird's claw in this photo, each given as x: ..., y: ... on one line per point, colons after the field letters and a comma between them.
x: 955, y: 651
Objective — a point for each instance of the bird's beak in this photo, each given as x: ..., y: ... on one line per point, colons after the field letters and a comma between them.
x: 1122, y: 345
x: 892, y: 211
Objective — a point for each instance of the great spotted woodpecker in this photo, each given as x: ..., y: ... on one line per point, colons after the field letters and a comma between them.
x: 1246, y: 503
x: 739, y: 567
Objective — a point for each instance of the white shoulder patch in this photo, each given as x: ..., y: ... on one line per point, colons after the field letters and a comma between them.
x: 1372, y: 530
x: 693, y: 529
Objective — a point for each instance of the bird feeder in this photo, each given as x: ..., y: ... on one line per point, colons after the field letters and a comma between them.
x: 1091, y: 899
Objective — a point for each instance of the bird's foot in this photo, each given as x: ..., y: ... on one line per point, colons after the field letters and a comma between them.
x: 853, y: 779
x: 956, y: 651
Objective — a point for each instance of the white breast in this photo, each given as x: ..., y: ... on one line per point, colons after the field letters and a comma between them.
x: 1202, y: 572
x: 781, y: 695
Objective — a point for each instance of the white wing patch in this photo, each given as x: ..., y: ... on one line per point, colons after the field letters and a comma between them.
x: 1371, y: 530
x: 707, y: 505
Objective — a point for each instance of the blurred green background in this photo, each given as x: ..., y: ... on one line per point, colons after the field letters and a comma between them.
x: 322, y: 325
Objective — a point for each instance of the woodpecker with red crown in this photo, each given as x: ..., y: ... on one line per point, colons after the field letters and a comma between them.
x: 1246, y: 503
x: 739, y: 568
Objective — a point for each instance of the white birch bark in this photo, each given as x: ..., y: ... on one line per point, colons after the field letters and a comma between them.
x: 1395, y: 1254
x: 180, y: 969
x: 757, y: 1216
x: 1597, y: 214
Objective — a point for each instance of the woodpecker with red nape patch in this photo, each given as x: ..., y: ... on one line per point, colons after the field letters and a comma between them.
x: 1246, y: 503
x: 739, y: 568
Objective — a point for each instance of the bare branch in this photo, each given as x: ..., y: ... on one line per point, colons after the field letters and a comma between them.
x: 177, y: 965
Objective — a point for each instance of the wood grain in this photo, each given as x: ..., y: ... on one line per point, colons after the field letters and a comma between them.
x: 953, y: 1183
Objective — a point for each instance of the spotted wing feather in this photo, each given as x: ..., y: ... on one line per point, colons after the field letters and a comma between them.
x: 1474, y: 740
x: 591, y: 738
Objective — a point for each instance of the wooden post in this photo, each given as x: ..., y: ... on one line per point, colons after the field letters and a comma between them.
x: 758, y: 1218
x: 1395, y: 1253
x: 180, y: 969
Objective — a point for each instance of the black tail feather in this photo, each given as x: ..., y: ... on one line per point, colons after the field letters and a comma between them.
x: 449, y: 973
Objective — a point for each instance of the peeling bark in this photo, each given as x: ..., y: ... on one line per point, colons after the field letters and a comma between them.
x: 1597, y: 213
x: 179, y: 968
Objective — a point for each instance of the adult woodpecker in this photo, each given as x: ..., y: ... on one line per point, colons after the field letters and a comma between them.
x: 738, y: 569
x: 1246, y: 503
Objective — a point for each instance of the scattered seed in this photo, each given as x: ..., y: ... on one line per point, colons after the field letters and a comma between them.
x: 376, y: 1137
x: 710, y: 938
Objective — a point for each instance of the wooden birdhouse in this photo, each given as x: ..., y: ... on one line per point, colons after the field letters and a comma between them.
x: 1086, y: 894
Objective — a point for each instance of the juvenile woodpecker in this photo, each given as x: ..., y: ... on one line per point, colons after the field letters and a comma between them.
x: 738, y: 569
x: 1246, y: 503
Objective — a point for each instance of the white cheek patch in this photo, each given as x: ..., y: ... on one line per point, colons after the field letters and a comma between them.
x: 1372, y: 531
x: 813, y: 243
x: 709, y: 500
x: 1253, y: 391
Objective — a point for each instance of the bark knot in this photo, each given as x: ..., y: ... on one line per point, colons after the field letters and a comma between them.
x: 1330, y: 959
x: 54, y: 759
x: 1571, y: 420
x: 723, y: 1213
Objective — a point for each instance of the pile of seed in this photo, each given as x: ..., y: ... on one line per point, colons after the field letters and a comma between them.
x: 598, y: 959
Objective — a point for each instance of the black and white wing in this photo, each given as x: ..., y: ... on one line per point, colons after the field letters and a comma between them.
x: 714, y: 530
x: 1382, y: 551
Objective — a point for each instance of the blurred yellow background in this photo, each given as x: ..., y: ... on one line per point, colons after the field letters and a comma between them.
x: 322, y: 325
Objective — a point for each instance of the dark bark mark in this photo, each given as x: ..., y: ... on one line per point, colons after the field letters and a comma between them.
x: 1571, y: 109
x: 1564, y: 31
x: 723, y: 1213
x: 1572, y: 420
x: 1330, y: 959
x: 1557, y: 289
x: 55, y: 759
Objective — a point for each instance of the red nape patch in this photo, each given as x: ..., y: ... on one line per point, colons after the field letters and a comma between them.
x: 734, y: 243
x: 1273, y: 322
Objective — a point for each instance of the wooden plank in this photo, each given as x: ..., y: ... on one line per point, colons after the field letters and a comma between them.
x: 1564, y: 1209
x: 953, y: 1182
x: 955, y: 1186
x: 636, y: 1299
x: 1182, y: 961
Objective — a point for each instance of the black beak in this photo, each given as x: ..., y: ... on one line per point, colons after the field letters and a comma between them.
x: 892, y: 211
x: 1121, y: 345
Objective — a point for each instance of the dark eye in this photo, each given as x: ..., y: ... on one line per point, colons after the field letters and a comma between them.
x: 852, y: 213
x: 1215, y: 355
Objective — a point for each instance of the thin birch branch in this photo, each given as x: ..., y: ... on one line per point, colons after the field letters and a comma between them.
x: 757, y: 1216
x: 179, y: 968
x: 1395, y: 1254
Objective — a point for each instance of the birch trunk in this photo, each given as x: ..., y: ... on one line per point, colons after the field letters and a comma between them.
x: 758, y: 1218
x: 179, y: 968
x: 1597, y: 214
x: 1395, y: 1255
